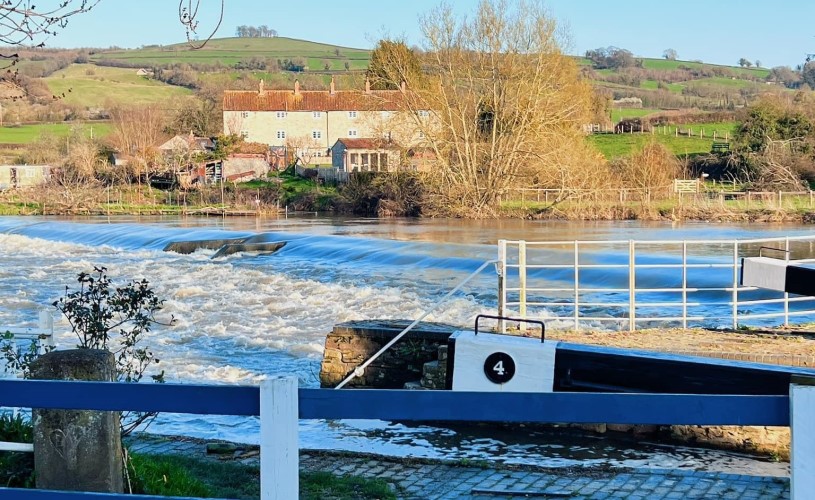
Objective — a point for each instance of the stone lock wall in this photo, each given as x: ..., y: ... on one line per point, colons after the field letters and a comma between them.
x: 351, y: 344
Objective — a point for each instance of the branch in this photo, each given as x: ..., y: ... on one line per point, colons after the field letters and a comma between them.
x: 188, y: 17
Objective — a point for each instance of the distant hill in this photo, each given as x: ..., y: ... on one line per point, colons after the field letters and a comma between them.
x: 231, y: 51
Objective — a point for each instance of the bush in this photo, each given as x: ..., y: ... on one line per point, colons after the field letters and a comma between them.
x: 16, y: 468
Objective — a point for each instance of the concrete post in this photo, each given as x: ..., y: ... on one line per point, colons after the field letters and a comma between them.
x: 77, y: 450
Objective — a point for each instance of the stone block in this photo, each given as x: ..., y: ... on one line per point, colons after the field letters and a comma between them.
x: 77, y: 450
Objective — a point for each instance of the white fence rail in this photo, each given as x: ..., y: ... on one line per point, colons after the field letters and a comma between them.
x: 44, y: 335
x: 626, y: 284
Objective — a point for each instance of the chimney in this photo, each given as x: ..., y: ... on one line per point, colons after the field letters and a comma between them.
x: 367, y: 85
x: 297, y: 87
x: 333, y: 89
x: 403, y: 86
x: 260, y: 87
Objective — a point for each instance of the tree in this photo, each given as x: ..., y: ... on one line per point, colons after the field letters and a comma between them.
x: 499, y: 104
x: 808, y: 74
x: 744, y: 63
x: 611, y: 58
x: 758, y: 63
x: 136, y: 132
x: 669, y: 54
x: 392, y: 62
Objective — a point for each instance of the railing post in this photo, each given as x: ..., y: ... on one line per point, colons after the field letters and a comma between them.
x: 576, y: 286
x: 522, y: 282
x: 684, y: 284
x: 46, y: 324
x: 786, y: 294
x: 279, y: 449
x: 802, y: 441
x: 632, y: 286
x: 502, y: 284
x: 735, y: 294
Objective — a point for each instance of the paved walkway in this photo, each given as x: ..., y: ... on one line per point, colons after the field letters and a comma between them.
x: 422, y: 479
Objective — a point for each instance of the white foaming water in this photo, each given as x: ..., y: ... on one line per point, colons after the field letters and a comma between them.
x: 243, y: 318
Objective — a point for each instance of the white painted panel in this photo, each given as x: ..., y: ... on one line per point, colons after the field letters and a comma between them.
x: 534, y: 362
x: 802, y: 446
x: 279, y: 449
x: 764, y: 272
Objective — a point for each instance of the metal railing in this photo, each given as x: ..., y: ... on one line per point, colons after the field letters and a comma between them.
x: 628, y: 283
x: 44, y: 335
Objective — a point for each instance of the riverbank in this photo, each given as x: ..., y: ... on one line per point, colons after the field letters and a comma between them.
x: 412, y: 478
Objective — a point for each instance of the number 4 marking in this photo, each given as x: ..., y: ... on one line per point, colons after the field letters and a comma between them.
x: 499, y: 368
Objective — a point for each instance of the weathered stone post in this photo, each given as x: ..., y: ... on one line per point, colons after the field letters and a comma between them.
x: 77, y: 450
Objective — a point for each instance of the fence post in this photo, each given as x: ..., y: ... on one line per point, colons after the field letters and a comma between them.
x: 577, y: 286
x: 802, y: 441
x: 735, y: 308
x: 522, y: 282
x: 502, y: 284
x: 46, y: 324
x: 632, y: 286
x: 786, y: 294
x: 684, y: 284
x: 279, y: 449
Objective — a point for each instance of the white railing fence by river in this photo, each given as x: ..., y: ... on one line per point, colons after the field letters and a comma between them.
x: 631, y: 284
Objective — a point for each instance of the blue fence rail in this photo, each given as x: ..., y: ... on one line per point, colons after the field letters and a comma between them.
x: 387, y: 405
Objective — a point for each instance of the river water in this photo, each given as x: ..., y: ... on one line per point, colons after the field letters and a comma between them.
x: 245, y: 317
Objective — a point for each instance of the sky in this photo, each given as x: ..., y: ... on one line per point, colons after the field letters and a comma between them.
x: 774, y: 32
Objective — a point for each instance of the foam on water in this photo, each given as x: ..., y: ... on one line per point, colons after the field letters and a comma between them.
x: 243, y: 318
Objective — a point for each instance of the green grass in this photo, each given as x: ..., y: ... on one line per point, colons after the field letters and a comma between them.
x: 664, y: 64
x: 730, y: 83
x: 619, y: 114
x: 654, y: 85
x: 616, y: 145
x: 95, y: 86
x: 229, y: 51
x: 25, y: 134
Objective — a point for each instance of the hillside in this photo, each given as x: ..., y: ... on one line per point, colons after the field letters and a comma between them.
x: 93, y: 86
x: 231, y: 51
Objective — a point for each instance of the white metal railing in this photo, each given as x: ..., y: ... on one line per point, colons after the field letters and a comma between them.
x: 360, y: 370
x: 632, y: 282
x: 44, y: 335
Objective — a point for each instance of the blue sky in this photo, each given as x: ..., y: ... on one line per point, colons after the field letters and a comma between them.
x: 778, y: 32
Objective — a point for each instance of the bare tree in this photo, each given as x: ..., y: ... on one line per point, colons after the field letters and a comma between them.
x: 499, y: 104
x: 136, y: 133
x: 669, y: 54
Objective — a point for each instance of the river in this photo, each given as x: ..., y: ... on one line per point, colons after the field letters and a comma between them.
x: 244, y: 317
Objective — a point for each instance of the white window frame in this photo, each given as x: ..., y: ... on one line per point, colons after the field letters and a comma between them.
x: 352, y: 132
x: 281, y: 134
x: 244, y: 114
x: 316, y: 134
x: 281, y: 114
x: 245, y: 134
x: 30, y: 173
x: 423, y: 113
x: 317, y: 114
x: 352, y: 114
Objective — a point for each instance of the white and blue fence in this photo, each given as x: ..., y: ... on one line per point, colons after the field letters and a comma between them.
x: 280, y: 403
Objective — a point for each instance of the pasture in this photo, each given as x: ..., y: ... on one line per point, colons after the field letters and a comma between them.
x: 230, y: 51
x: 94, y: 86
x: 617, y: 145
x: 25, y: 134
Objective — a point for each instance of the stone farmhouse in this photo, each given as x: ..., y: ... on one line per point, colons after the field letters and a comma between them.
x: 309, y: 123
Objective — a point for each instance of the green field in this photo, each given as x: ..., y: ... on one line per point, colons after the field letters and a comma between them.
x: 664, y: 64
x: 89, y: 85
x: 619, y: 114
x: 616, y: 145
x: 229, y: 51
x: 25, y: 134
x: 654, y: 85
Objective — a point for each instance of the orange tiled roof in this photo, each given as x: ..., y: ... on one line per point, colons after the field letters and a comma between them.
x: 312, y: 100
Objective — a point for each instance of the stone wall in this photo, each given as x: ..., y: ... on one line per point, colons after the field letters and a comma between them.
x: 351, y: 344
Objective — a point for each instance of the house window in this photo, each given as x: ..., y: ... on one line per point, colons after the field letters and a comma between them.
x: 423, y: 113
x: 319, y: 153
x: 30, y: 172
x: 317, y: 114
x: 352, y: 114
x: 316, y: 134
x: 352, y: 132
x: 281, y: 114
x: 244, y: 114
x: 281, y: 134
x: 244, y: 134
x: 354, y: 159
